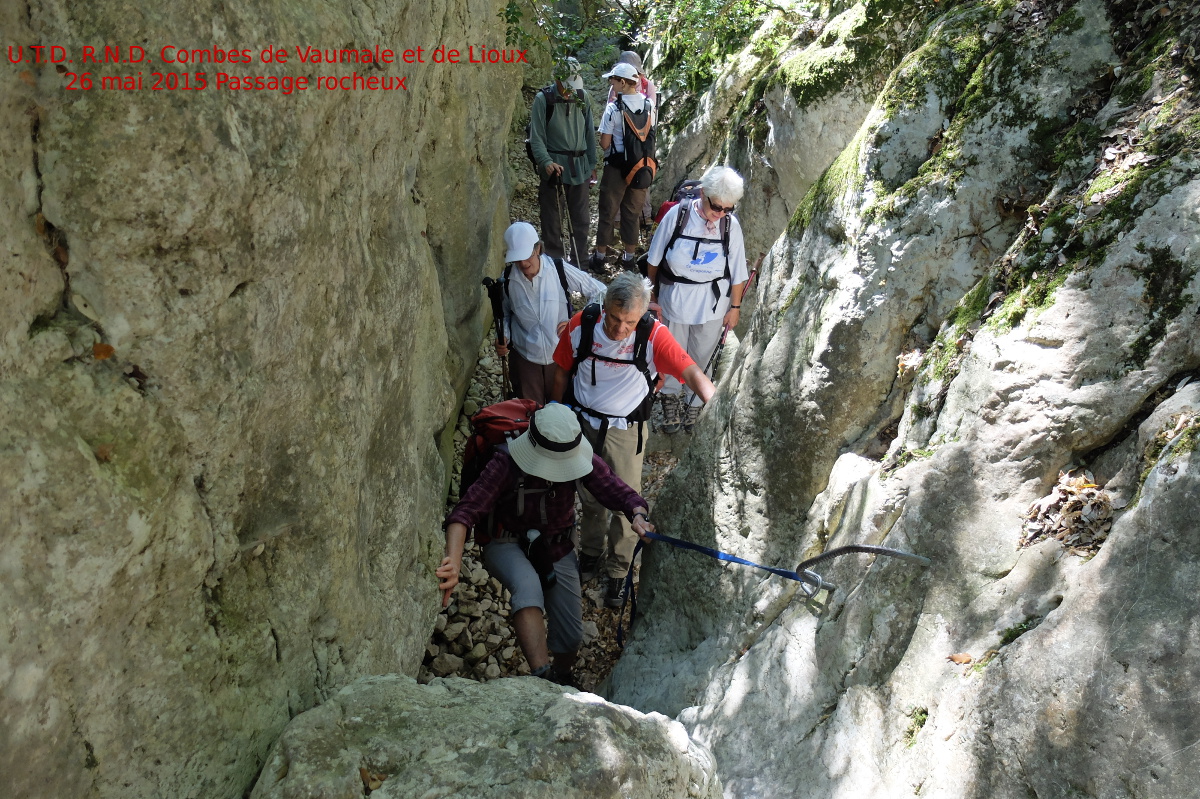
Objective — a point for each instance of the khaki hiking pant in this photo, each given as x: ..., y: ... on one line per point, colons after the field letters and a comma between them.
x: 597, y: 524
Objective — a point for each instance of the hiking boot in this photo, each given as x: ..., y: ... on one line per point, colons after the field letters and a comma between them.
x: 589, y: 567
x: 564, y: 677
x: 628, y: 261
x: 690, y: 415
x: 596, y: 264
x: 671, y: 417
x: 614, y: 597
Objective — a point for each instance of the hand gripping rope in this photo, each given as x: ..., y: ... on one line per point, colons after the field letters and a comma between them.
x: 811, y: 583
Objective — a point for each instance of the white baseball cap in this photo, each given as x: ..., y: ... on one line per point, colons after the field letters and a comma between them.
x: 520, y: 239
x: 622, y: 70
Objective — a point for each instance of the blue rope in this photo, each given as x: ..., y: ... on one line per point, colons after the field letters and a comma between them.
x: 811, y: 583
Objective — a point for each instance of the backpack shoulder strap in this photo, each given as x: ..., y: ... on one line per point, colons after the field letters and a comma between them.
x: 641, y: 339
x: 504, y: 279
x: 587, y: 331
x: 551, y: 97
x: 685, y: 208
x: 562, y: 281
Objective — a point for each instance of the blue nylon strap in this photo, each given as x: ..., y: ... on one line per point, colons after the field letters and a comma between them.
x: 807, y: 577
x: 812, y: 583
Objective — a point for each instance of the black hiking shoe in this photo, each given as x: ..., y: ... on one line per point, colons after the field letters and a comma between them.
x: 589, y: 567
x: 565, y: 677
x: 614, y: 597
x: 597, y: 264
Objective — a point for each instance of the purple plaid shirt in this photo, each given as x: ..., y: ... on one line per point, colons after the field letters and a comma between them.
x: 496, y: 489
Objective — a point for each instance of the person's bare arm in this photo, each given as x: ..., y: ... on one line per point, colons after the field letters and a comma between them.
x: 447, y: 571
x: 560, y: 383
x: 698, y: 382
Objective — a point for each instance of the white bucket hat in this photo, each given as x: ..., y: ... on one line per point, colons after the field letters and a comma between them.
x: 623, y: 70
x: 519, y: 240
x: 553, y: 448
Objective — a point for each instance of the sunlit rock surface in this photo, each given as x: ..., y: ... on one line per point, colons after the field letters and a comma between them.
x: 996, y: 282
x: 520, y: 737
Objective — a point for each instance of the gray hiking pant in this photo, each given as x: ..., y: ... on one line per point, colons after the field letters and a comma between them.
x: 551, y: 201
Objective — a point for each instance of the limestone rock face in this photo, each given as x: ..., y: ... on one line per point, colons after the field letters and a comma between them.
x: 996, y: 282
x: 520, y: 737
x: 228, y: 346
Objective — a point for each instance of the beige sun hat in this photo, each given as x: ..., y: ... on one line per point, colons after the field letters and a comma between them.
x: 553, y: 448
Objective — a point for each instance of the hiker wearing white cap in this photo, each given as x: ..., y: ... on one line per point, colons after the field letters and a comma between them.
x: 645, y: 85
x: 537, y: 305
x: 610, y: 362
x: 528, y: 489
x: 627, y: 138
x: 563, y: 149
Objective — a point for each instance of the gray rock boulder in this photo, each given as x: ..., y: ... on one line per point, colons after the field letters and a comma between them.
x: 521, y: 737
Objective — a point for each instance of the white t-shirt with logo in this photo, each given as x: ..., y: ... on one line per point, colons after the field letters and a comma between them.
x: 692, y: 304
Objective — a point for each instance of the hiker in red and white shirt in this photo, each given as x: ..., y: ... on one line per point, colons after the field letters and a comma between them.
x: 613, y: 389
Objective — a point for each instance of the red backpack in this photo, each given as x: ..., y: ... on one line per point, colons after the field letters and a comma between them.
x: 491, y: 427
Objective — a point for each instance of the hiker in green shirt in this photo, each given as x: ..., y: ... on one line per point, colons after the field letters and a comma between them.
x: 562, y: 143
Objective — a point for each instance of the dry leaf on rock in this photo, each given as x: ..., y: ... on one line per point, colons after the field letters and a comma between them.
x: 961, y: 658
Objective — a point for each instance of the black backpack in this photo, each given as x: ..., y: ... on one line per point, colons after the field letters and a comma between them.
x: 553, y: 98
x: 641, y: 338
x: 562, y: 281
x: 665, y: 275
x: 637, y: 163
x: 686, y: 190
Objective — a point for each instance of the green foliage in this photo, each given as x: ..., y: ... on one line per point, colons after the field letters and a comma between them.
x: 697, y: 36
x: 1011, y: 634
x: 919, y: 716
x: 537, y: 25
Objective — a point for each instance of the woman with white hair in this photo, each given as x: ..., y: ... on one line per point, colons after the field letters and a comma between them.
x: 697, y: 262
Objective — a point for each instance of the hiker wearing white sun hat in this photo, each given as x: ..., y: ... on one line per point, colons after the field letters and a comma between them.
x: 529, y: 488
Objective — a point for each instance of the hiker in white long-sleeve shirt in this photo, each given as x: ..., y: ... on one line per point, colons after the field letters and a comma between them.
x: 537, y: 305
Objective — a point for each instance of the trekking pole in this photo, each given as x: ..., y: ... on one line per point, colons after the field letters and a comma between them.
x: 494, y: 289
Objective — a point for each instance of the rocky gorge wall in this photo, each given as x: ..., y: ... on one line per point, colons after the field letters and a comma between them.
x: 233, y: 327
x: 977, y: 338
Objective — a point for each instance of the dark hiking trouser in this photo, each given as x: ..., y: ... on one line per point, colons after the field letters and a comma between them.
x: 618, y: 204
x: 551, y: 205
x: 533, y: 381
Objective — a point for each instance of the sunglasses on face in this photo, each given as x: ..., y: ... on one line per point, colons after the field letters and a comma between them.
x: 719, y: 208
